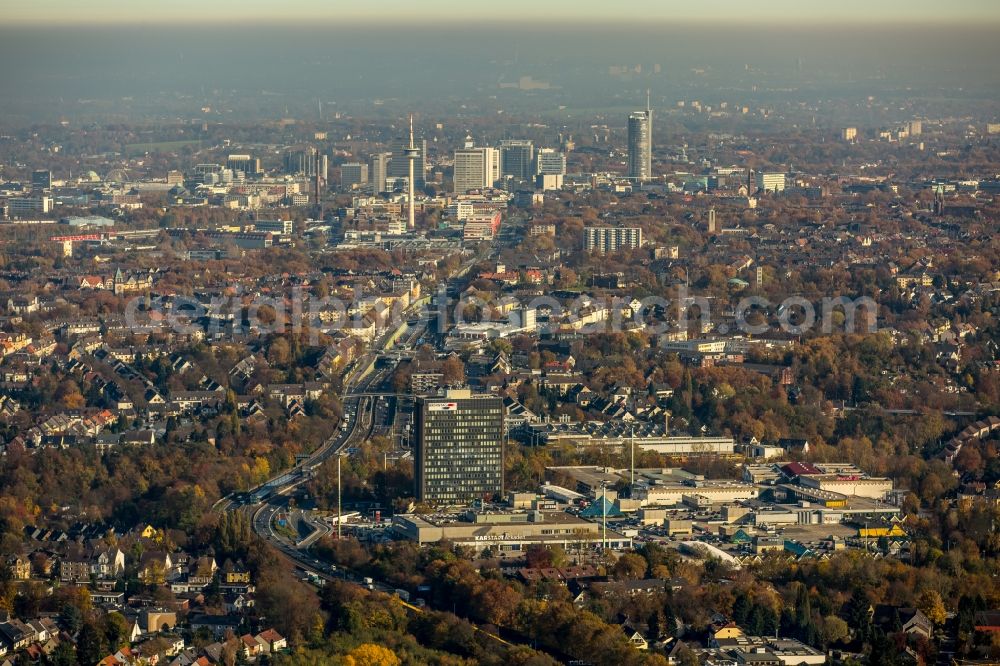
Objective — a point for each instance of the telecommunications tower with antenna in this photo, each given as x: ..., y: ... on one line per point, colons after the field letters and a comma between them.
x: 411, y: 152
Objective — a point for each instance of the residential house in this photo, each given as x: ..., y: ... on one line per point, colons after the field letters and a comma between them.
x: 154, y: 566
x: 251, y: 648
x: 74, y: 569
x: 236, y: 576
x: 20, y: 567
x: 274, y: 640
x: 16, y: 635
x: 904, y: 619
x: 109, y: 563
x: 155, y: 620
x: 203, y: 571
x: 987, y: 621
x: 217, y: 625
x: 637, y: 640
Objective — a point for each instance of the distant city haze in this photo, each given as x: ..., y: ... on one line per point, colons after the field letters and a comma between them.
x: 112, y: 62
x: 859, y: 12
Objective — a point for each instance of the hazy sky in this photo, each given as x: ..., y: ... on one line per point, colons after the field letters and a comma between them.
x: 752, y: 11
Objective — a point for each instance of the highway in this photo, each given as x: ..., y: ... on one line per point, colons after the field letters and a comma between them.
x: 358, y: 415
x: 366, y: 410
x: 361, y: 411
x: 263, y: 525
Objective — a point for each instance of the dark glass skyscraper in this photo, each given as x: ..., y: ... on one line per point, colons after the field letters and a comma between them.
x: 517, y: 158
x: 41, y: 179
x: 399, y: 165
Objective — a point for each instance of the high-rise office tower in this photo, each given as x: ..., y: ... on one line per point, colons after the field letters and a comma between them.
x: 378, y: 171
x: 353, y: 173
x: 550, y: 162
x: 475, y: 168
x: 399, y: 165
x: 41, y: 179
x: 459, y: 452
x: 640, y: 143
x: 517, y: 158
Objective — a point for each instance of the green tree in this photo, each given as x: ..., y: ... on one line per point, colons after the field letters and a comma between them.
x: 71, y: 618
x: 91, y: 646
x: 63, y: 655
x: 834, y: 629
x: 116, y: 630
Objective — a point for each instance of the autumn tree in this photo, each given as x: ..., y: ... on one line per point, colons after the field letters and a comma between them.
x: 629, y: 567
x: 453, y: 370
x: 369, y: 654
x: 930, y: 604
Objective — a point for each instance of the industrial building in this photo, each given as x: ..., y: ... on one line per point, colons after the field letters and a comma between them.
x: 618, y: 435
x: 509, y: 534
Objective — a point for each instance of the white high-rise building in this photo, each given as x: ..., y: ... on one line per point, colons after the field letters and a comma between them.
x: 611, y: 239
x: 771, y: 181
x: 550, y: 162
x: 378, y: 171
x: 640, y: 144
x: 475, y: 168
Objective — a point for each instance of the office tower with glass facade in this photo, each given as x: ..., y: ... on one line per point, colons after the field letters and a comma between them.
x: 399, y: 165
x: 353, y: 174
x: 459, y: 451
x: 550, y: 162
x: 640, y: 144
x: 517, y: 158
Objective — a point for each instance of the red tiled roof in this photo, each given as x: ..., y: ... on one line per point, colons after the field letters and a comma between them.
x: 800, y: 469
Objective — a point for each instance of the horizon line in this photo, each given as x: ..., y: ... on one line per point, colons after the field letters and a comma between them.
x: 549, y: 24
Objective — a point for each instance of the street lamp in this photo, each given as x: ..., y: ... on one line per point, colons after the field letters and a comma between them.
x: 604, y: 515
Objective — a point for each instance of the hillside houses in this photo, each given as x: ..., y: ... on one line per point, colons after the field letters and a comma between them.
x: 120, y: 282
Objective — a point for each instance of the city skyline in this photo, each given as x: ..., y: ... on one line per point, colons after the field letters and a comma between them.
x: 562, y: 12
x: 499, y: 334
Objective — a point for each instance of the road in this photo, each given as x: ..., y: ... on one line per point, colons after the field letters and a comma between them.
x: 366, y: 409
x: 263, y: 524
x: 359, y: 404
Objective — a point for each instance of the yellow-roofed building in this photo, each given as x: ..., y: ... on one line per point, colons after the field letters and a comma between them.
x: 894, y: 531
